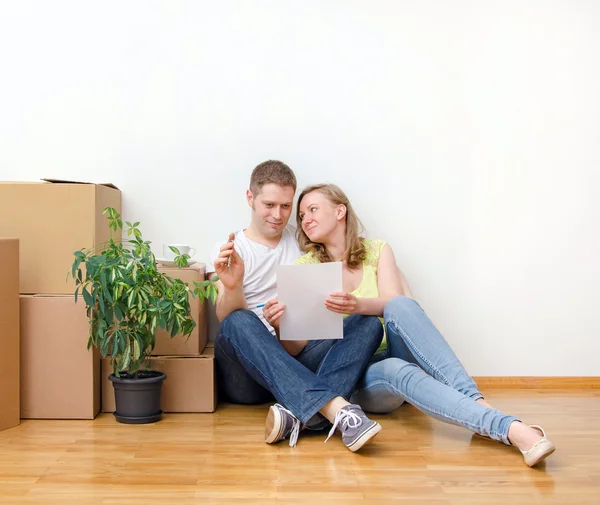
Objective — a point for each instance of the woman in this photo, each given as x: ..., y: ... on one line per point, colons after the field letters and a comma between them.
x: 415, y: 363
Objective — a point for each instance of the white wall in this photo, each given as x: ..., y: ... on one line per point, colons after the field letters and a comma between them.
x: 466, y: 133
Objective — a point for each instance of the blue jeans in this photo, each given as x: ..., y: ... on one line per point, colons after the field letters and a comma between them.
x: 253, y: 367
x: 419, y: 367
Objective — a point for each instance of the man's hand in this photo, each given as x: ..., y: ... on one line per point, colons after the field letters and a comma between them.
x: 229, y: 266
x: 272, y: 312
x: 344, y: 303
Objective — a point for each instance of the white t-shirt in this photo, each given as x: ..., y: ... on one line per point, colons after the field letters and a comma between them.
x: 260, y: 266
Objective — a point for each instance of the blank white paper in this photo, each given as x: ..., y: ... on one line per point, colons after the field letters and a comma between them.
x: 303, y: 289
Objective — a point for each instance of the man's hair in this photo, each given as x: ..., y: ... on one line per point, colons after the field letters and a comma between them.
x: 271, y: 172
x: 355, y: 249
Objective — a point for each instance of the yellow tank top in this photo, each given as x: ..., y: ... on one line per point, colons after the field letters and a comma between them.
x: 368, y: 287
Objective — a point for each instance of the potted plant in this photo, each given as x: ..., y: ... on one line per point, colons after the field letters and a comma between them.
x: 127, y: 300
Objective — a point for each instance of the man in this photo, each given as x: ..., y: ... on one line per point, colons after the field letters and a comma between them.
x: 252, y: 365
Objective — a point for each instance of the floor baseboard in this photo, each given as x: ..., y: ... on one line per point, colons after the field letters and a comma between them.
x: 537, y: 382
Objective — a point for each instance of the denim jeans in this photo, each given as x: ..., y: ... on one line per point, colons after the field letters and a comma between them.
x: 419, y: 367
x: 253, y: 367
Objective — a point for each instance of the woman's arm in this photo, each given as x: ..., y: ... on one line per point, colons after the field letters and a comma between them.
x: 390, y: 283
x: 390, y: 280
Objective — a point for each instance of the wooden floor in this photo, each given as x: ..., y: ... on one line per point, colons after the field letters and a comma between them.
x: 221, y: 458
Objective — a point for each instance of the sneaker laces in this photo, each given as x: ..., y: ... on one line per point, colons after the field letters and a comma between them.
x: 347, y: 418
x: 295, y: 425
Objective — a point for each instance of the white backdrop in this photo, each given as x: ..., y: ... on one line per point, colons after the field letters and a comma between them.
x: 466, y: 133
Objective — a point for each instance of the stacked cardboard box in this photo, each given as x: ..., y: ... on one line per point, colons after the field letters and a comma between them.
x: 196, y: 342
x: 188, y: 364
x: 60, y: 378
x: 190, y: 384
x: 9, y: 333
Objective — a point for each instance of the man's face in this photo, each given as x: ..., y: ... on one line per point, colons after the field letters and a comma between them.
x: 271, y: 208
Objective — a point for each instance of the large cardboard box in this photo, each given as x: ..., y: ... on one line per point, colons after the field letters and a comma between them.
x: 52, y: 220
x: 60, y: 378
x: 179, y: 345
x: 9, y: 333
x: 190, y: 385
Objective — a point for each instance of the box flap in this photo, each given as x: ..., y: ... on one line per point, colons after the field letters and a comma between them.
x: 63, y: 181
x: 46, y: 295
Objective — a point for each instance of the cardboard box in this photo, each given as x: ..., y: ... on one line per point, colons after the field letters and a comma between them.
x: 52, y: 220
x: 195, y: 344
x: 9, y: 333
x: 60, y: 378
x: 190, y: 385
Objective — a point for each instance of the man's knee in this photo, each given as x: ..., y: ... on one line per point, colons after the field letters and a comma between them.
x: 222, y: 345
x: 371, y: 324
x: 238, y: 320
x: 370, y: 327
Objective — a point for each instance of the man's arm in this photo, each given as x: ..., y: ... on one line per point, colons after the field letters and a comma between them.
x: 272, y: 311
x: 229, y: 300
x: 293, y: 347
x: 229, y: 266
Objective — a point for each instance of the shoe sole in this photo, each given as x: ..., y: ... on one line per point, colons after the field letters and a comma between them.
x: 366, y: 438
x: 273, y: 426
x: 541, y: 457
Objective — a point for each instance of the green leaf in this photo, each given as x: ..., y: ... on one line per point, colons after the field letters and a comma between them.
x: 126, y: 358
x: 87, y: 297
x: 136, y: 350
x: 130, y: 298
x: 101, y: 303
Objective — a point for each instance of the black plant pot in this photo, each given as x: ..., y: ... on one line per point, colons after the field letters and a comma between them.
x: 137, y: 400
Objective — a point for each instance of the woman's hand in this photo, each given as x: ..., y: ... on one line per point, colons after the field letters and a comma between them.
x: 272, y: 312
x: 344, y: 303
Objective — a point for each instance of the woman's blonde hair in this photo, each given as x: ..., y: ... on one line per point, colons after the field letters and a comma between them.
x: 355, y: 248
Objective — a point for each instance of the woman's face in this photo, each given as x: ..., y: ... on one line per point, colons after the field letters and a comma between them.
x: 319, y: 216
